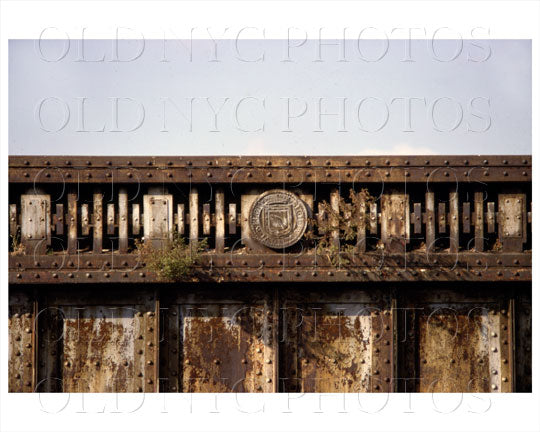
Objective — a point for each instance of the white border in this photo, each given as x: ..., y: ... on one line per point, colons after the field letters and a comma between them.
x: 26, y: 19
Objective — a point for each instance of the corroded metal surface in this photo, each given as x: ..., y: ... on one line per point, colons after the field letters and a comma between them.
x: 276, y: 169
x: 91, y: 344
x: 113, y: 268
x: 455, y: 342
x: 22, y: 342
x: 430, y: 292
x: 219, y: 344
x: 223, y: 338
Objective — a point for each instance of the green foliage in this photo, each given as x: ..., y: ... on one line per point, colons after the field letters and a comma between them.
x: 174, y: 261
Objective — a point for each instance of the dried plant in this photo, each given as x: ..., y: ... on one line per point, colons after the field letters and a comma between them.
x: 345, y: 223
x: 174, y: 261
x: 16, y: 247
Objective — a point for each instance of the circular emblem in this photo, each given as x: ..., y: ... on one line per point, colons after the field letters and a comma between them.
x: 278, y: 219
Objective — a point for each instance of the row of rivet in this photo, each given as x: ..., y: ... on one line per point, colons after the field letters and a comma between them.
x: 382, y: 351
x: 309, y: 174
x: 21, y: 365
x: 100, y: 263
x: 367, y: 162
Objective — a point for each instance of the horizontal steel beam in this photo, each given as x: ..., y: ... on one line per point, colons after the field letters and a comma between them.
x: 369, y: 259
x: 384, y: 274
x: 271, y: 169
x: 87, y: 268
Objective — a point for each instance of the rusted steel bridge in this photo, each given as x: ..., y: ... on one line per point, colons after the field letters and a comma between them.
x: 433, y: 292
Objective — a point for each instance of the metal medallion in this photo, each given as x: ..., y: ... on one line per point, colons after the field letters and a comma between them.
x: 278, y: 219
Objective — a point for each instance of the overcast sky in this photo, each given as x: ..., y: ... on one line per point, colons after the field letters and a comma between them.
x: 269, y: 97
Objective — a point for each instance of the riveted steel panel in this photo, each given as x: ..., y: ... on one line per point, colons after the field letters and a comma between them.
x: 36, y: 222
x: 92, y: 345
x: 337, y: 343
x: 158, y: 218
x: 220, y: 343
x: 457, y: 345
x: 22, y: 341
x: 512, y: 221
x: 395, y: 221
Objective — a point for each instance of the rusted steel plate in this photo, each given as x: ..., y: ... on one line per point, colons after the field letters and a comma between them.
x: 22, y: 341
x: 395, y: 221
x: 99, y: 352
x: 94, y: 346
x: 158, y: 218
x: 336, y: 344
x: 219, y: 344
x: 461, y: 347
x: 388, y: 274
x: 275, y: 176
x: 268, y: 161
x: 131, y: 263
x: 512, y: 221
x: 36, y: 223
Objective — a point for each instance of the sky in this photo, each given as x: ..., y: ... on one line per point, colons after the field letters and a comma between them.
x: 269, y: 97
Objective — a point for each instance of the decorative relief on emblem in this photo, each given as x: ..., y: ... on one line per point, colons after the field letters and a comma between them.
x: 278, y: 219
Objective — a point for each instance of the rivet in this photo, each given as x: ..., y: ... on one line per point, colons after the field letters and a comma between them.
x: 268, y: 380
x: 88, y: 275
x: 149, y: 362
x: 244, y: 361
x: 493, y: 386
x: 504, y: 379
x: 494, y: 372
x: 494, y: 349
x: 268, y: 361
x: 139, y: 389
x: 505, y: 361
x: 452, y: 361
x: 424, y: 361
x: 493, y: 334
x: 258, y: 350
x: 377, y: 387
x: 28, y: 330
